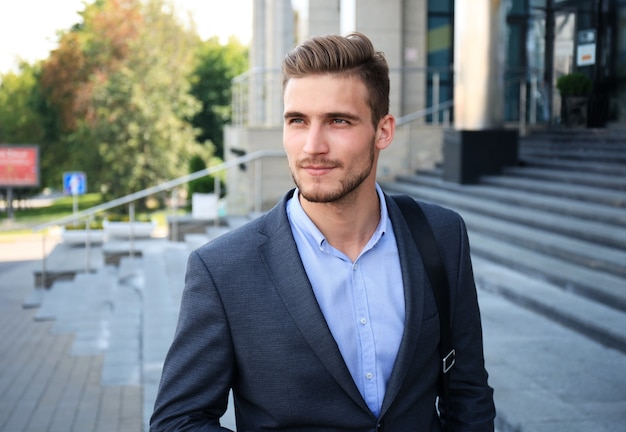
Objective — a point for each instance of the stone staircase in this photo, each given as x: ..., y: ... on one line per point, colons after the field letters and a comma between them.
x: 549, y: 234
x: 125, y: 311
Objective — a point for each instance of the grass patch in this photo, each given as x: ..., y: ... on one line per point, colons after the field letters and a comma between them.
x: 24, y: 219
x: 61, y: 207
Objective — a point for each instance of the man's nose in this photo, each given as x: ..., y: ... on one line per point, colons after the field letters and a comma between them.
x: 316, y: 140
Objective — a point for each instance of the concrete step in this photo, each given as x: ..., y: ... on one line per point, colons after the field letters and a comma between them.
x: 610, y: 136
x: 578, y: 166
x: 584, y: 153
x: 589, y: 194
x: 565, y: 206
x: 121, y: 365
x: 93, y: 330
x: 162, y: 280
x: 578, y: 252
x: 601, y: 323
x: 461, y: 200
x: 598, y: 180
x: 515, y: 242
x: 591, y: 284
x: 546, y: 376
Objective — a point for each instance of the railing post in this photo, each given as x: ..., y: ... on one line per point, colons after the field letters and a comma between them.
x: 174, y: 231
x: 131, y: 217
x: 435, y: 115
x: 88, y: 244
x: 258, y: 187
x: 532, y: 113
x: 217, y: 190
x: 44, y: 276
x: 522, y: 107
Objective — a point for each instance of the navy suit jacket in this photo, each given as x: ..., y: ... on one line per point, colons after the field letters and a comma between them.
x: 249, y: 321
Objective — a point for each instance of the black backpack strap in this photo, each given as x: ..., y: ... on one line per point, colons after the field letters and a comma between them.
x: 425, y: 240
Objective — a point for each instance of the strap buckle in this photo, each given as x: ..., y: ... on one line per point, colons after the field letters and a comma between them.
x: 449, y: 361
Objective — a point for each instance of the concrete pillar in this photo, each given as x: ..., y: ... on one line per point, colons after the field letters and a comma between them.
x: 479, y: 144
x: 382, y: 22
x: 324, y: 18
x: 281, y: 37
x: 256, y: 106
x: 479, y: 62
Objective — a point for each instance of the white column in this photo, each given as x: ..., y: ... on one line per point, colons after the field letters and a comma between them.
x: 479, y: 61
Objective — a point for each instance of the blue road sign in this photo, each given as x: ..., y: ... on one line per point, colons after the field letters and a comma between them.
x: 74, y: 183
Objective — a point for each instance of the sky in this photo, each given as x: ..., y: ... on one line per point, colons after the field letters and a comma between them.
x: 28, y: 28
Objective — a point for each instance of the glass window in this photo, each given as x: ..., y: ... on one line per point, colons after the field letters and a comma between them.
x: 440, y: 52
x: 518, y: 7
x: 444, y: 6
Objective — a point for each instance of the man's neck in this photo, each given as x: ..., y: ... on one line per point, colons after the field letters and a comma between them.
x: 349, y: 224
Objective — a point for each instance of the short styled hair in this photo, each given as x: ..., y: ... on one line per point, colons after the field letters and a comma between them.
x: 351, y: 55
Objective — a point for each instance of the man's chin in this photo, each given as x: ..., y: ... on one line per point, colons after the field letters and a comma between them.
x: 317, y: 195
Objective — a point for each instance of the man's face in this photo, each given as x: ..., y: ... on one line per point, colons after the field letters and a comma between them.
x: 328, y: 135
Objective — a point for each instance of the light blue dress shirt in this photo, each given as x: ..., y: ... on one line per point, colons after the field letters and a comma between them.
x: 362, y: 301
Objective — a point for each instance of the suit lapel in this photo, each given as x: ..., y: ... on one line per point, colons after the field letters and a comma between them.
x: 414, y: 281
x: 282, y: 262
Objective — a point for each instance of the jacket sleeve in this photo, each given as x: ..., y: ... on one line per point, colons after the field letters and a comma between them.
x: 199, y: 366
x: 470, y: 397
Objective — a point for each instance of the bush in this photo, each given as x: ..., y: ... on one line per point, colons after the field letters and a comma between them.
x: 574, y: 84
x: 204, y: 184
x: 94, y: 225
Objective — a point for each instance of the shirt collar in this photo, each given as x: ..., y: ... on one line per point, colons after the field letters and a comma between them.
x: 299, y: 218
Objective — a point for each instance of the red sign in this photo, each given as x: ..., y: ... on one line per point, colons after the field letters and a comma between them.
x: 19, y: 165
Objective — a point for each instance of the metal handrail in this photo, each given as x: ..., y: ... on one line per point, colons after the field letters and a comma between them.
x: 424, y: 112
x: 160, y: 188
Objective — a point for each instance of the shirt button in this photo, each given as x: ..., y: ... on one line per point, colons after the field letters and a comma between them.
x: 369, y: 375
x: 363, y: 321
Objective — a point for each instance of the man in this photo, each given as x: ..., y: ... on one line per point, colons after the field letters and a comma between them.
x: 319, y: 315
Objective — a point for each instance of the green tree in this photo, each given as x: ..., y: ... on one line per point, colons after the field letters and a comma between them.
x: 215, y: 66
x: 121, y: 110
x: 204, y: 184
x: 87, y: 53
x: 20, y: 123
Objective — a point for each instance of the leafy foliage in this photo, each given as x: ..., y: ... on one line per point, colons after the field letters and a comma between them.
x: 205, y: 184
x: 574, y: 84
x: 215, y: 66
x: 20, y: 123
x: 129, y: 96
x: 121, y: 105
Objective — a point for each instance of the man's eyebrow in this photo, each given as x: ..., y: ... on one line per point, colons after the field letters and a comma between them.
x: 343, y: 115
x: 292, y: 114
x: 329, y: 115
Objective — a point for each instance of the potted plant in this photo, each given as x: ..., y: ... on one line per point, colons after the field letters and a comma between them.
x: 119, y: 226
x: 575, y: 89
x: 204, y: 199
x: 80, y: 234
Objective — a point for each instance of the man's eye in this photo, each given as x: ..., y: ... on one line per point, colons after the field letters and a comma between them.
x: 340, y: 121
x: 295, y: 121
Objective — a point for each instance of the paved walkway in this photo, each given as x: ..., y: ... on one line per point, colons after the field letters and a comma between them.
x: 547, y: 378
x: 43, y: 386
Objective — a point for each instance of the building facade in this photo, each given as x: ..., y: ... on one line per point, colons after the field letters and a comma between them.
x: 537, y: 40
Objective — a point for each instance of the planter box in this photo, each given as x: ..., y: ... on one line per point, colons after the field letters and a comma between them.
x: 470, y: 154
x: 204, y: 206
x: 123, y: 229
x: 574, y: 111
x: 79, y: 237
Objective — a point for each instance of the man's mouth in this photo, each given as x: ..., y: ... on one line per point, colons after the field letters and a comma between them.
x: 317, y: 168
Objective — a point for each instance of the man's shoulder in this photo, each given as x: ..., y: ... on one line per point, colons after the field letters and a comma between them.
x: 252, y: 233
x: 435, y: 213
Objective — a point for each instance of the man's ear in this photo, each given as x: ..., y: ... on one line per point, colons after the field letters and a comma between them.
x: 385, y: 131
